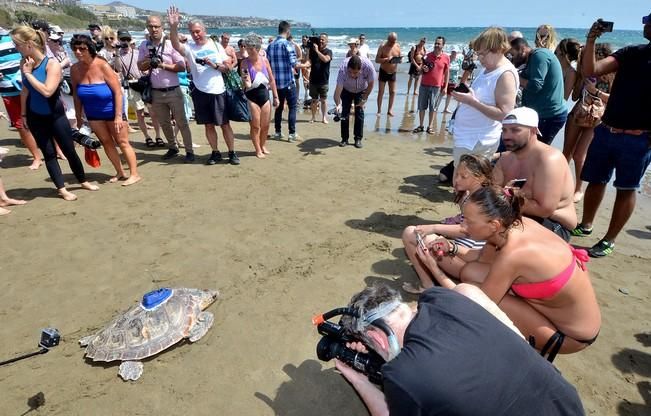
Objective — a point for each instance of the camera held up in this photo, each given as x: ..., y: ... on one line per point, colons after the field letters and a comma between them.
x: 333, y: 345
x: 313, y: 40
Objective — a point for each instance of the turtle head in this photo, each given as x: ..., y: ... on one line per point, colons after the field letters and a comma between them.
x: 206, y: 297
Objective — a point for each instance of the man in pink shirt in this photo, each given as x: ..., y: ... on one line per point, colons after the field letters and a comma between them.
x: 436, y: 71
x: 158, y: 58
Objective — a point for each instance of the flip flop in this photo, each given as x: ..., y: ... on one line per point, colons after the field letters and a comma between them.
x: 149, y: 142
x: 160, y: 142
x: 410, y: 288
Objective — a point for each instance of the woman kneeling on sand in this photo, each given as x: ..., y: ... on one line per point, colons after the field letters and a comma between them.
x: 473, y: 172
x: 536, y: 278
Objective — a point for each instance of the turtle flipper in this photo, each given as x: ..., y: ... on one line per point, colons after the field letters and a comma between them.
x: 83, y: 342
x: 130, y: 370
x: 203, y: 324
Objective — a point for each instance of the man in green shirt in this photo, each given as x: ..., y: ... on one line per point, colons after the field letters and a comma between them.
x: 541, y: 79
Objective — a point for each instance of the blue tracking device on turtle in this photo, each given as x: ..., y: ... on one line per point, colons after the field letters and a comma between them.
x: 154, y: 298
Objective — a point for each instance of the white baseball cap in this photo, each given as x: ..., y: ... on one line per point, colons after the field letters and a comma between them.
x: 353, y: 40
x: 523, y: 116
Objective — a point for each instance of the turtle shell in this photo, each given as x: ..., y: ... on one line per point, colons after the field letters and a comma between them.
x: 139, y: 333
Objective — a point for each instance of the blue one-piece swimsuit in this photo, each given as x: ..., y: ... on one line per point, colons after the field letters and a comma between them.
x: 97, y: 101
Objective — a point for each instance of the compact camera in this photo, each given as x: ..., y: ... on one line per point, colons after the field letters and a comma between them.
x: 200, y: 61
x: 49, y: 338
x: 333, y: 345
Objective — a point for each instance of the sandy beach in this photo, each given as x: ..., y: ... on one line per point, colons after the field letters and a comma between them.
x: 283, y: 239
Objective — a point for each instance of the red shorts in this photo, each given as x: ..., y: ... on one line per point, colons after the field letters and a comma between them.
x: 12, y: 104
x: 451, y: 87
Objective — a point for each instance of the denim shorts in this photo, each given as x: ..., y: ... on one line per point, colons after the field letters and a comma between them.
x: 626, y: 154
x: 427, y: 96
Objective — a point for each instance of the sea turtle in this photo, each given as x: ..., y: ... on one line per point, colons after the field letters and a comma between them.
x: 163, y: 318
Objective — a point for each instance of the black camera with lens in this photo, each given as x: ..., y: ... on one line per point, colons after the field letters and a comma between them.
x: 200, y: 61
x: 85, y: 140
x: 154, y: 60
x: 333, y: 345
x: 125, y: 83
x: 337, y: 115
x: 313, y: 40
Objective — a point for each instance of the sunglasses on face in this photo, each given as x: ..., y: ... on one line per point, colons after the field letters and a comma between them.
x: 109, y: 38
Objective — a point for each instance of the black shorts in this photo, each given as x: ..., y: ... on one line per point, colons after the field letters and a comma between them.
x: 385, y: 76
x: 319, y: 91
x: 209, y: 108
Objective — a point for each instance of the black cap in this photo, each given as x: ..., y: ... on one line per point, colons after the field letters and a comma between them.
x: 93, y: 26
x: 123, y: 33
x: 41, y: 25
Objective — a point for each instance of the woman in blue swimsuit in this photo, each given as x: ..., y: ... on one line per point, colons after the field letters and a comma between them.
x: 97, y: 90
x: 42, y: 110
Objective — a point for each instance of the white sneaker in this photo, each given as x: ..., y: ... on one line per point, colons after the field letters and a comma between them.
x: 278, y: 136
x: 292, y: 137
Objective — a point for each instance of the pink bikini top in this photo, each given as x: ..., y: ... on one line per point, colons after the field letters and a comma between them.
x: 549, y: 288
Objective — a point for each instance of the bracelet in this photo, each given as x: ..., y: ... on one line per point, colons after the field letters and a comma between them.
x: 454, y: 249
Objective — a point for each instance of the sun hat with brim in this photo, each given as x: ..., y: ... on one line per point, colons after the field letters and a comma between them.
x: 523, y: 116
x: 56, y: 29
x: 54, y: 36
x: 353, y: 41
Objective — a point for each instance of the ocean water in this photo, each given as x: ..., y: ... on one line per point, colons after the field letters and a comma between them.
x: 407, y: 36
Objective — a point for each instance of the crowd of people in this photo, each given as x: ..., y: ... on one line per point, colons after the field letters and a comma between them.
x: 506, y: 259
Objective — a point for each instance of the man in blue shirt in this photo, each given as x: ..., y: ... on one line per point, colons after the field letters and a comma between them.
x: 10, y: 86
x: 541, y: 80
x: 282, y: 57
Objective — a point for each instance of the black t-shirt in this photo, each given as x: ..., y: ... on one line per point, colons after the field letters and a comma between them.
x: 630, y: 96
x: 320, y: 73
x: 458, y: 359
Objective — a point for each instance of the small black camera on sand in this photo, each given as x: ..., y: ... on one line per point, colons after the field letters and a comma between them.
x: 50, y: 337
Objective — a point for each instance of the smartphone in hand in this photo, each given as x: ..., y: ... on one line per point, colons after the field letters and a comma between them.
x: 606, y: 26
x: 462, y: 88
x: 420, y: 242
x: 518, y: 183
x: 396, y: 60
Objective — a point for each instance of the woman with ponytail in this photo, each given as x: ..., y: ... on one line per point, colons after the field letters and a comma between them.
x: 534, y: 276
x: 42, y: 110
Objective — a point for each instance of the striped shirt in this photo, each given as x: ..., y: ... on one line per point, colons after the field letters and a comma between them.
x: 10, y: 84
x: 282, y: 58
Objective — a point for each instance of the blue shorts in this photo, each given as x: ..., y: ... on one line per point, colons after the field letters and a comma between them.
x: 626, y: 154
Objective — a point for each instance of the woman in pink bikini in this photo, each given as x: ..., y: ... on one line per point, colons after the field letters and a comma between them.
x: 535, y: 277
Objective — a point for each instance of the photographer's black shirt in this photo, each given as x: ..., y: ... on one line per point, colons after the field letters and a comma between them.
x: 458, y: 359
x: 630, y: 97
x: 320, y: 73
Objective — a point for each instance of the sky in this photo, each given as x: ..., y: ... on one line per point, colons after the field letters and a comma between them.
x: 627, y: 14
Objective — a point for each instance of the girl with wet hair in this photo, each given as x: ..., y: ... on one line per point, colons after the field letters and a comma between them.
x: 43, y: 111
x: 535, y: 277
x: 473, y: 173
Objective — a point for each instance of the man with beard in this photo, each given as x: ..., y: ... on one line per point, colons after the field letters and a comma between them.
x: 549, y: 186
x: 436, y: 71
x: 541, y: 79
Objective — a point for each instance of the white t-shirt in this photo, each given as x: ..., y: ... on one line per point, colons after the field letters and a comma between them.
x: 206, y: 78
x: 363, y: 50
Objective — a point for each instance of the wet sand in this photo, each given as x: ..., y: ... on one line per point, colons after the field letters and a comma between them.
x: 282, y: 239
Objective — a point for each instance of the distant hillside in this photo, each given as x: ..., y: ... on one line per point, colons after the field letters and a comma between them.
x: 217, y: 21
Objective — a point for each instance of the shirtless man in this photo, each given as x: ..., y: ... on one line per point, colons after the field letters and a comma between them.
x: 549, y: 189
x: 385, y: 53
x: 230, y: 51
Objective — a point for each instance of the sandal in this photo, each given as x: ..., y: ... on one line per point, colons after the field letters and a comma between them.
x: 413, y: 289
x: 149, y: 142
x: 160, y: 142
x: 418, y: 129
x: 430, y: 130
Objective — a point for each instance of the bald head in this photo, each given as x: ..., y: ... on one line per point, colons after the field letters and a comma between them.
x: 393, y: 36
x: 516, y: 34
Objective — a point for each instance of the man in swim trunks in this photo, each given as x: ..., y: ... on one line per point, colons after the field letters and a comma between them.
x: 549, y: 186
x: 387, y: 56
x: 230, y: 51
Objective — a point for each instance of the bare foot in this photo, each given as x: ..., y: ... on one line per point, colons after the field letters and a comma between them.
x: 89, y: 186
x: 67, y: 195
x: 35, y: 164
x: 265, y: 151
x: 447, y: 111
x: 60, y: 156
x: 378, y: 114
x: 132, y: 179
x: 11, y: 201
x: 390, y: 113
x: 119, y: 177
x: 312, y: 120
x: 324, y: 121
x: 578, y: 196
x: 4, y: 211
x: 260, y: 155
x: 415, y: 93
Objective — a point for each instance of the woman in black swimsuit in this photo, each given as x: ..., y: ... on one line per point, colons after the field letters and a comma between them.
x: 258, y: 78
